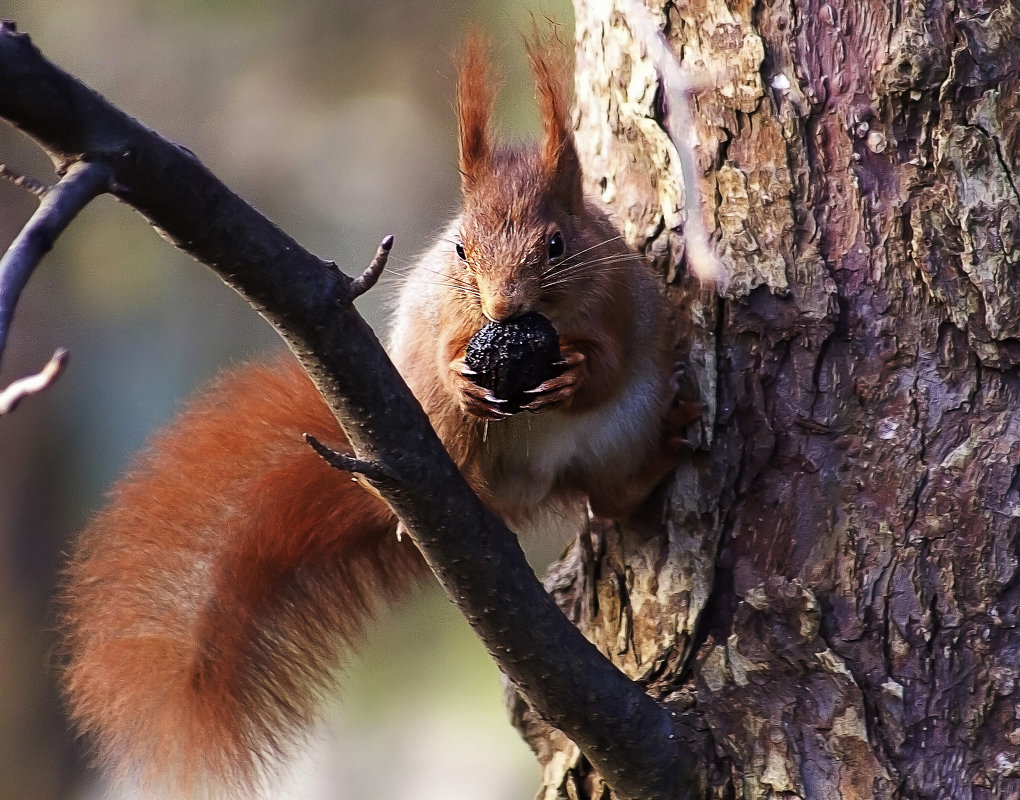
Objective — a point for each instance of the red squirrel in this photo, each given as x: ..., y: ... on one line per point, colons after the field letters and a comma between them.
x: 205, y: 608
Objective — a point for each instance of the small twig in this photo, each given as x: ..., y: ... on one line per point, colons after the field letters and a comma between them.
x: 33, y: 384
x: 33, y: 185
x: 346, y: 463
x: 678, y: 84
x: 367, y: 279
x: 60, y: 204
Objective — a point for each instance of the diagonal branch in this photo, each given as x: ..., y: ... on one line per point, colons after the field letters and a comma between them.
x: 678, y: 86
x: 637, y: 744
x: 82, y: 182
x: 61, y: 203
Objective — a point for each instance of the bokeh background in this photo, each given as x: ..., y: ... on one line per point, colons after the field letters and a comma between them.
x: 336, y: 120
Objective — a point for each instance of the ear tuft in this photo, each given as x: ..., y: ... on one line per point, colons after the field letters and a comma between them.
x: 550, y: 66
x: 475, y: 93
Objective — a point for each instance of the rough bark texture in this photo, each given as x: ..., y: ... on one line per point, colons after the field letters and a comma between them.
x: 835, y: 592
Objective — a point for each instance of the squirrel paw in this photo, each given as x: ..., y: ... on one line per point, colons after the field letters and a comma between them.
x: 557, y: 393
x: 474, y: 399
x: 682, y: 411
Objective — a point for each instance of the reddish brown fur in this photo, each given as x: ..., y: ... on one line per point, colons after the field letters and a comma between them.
x: 559, y: 158
x: 205, y: 606
x: 599, y: 297
x: 474, y: 105
x: 516, y: 198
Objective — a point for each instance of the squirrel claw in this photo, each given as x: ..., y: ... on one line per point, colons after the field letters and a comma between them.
x: 554, y: 393
x: 474, y: 399
x: 557, y: 393
x: 682, y: 410
x: 485, y: 405
x: 460, y: 367
x: 570, y: 357
x: 678, y: 444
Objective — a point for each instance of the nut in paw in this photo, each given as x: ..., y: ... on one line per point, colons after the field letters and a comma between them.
x: 513, y: 356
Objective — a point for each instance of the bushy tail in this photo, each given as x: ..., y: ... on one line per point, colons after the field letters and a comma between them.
x: 206, y: 608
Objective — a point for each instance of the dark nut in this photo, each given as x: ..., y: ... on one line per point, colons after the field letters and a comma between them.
x: 513, y: 356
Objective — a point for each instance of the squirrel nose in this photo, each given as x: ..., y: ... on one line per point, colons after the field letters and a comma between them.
x: 504, y: 304
x: 501, y: 312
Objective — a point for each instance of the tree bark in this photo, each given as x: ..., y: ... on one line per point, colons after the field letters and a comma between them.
x: 834, y: 595
x: 831, y: 591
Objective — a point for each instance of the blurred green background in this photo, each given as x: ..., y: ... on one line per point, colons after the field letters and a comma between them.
x: 336, y: 120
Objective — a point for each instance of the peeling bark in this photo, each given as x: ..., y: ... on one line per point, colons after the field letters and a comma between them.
x: 834, y: 594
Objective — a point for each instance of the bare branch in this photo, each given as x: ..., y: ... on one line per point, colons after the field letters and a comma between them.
x: 33, y: 185
x: 60, y: 204
x: 641, y: 749
x: 33, y: 384
x: 376, y: 473
x: 367, y: 279
x: 678, y: 84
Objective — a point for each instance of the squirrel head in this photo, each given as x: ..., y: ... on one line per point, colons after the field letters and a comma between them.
x: 522, y: 206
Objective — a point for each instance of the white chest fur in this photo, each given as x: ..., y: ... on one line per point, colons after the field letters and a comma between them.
x: 527, y: 456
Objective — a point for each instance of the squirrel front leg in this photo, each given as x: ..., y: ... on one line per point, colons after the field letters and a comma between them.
x: 554, y: 394
x: 593, y: 374
x: 456, y: 378
x: 559, y: 392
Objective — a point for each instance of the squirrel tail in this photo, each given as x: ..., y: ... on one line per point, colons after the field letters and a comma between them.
x: 205, y: 609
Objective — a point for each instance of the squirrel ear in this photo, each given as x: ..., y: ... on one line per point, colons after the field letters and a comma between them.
x: 475, y: 94
x: 559, y: 158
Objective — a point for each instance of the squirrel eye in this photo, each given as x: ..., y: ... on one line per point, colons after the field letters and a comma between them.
x: 556, y: 246
x: 460, y: 252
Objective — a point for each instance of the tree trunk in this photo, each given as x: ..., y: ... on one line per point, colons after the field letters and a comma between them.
x: 834, y: 594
